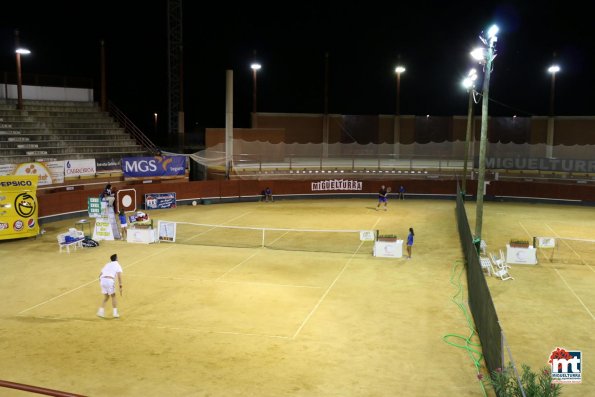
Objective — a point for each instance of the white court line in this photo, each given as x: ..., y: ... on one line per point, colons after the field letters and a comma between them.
x: 224, y: 281
x: 329, y: 288
x: 238, y: 265
x: 562, y: 278
x: 577, y: 297
x: 525, y: 229
x: 124, y: 323
x: 84, y: 285
x: 123, y: 267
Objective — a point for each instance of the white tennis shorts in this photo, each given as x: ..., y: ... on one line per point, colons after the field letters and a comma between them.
x: 108, y: 286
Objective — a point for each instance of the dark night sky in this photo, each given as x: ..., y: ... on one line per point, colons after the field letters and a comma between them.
x: 364, y: 40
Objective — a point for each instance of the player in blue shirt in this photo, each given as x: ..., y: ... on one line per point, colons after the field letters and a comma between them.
x: 410, y: 242
x: 402, y: 193
x: 123, y: 223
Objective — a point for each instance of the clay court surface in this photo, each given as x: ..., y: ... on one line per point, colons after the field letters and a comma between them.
x: 220, y: 321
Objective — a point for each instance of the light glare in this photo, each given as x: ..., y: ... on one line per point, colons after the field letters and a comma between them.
x: 256, y: 66
x: 399, y: 69
x: 554, y: 69
x: 493, y: 31
x: 23, y: 51
x: 478, y: 54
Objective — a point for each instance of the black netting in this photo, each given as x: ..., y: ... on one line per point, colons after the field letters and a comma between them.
x: 480, y: 300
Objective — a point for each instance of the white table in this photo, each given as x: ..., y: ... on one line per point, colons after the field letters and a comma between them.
x: 521, y: 256
x: 141, y: 235
x: 388, y: 249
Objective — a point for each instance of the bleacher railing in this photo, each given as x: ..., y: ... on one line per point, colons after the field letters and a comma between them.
x: 132, y: 129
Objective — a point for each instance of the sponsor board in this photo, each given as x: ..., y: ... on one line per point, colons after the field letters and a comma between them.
x: 155, y: 201
x: 79, y: 167
x: 154, y: 166
x: 18, y: 201
x: 337, y: 184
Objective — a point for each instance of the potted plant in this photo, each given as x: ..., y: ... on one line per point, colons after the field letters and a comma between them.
x: 519, y: 243
x: 387, y: 237
x: 505, y: 383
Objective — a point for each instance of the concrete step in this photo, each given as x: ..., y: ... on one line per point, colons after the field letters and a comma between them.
x: 36, y: 132
x: 41, y: 105
x: 57, y: 125
x: 16, y: 159
x: 47, y: 144
x: 75, y: 118
x: 51, y: 150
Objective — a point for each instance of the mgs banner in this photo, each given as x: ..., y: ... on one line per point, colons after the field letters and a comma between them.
x: 154, y: 166
x: 18, y: 206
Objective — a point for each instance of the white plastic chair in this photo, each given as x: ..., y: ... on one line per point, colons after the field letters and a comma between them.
x: 500, y: 269
x: 483, y: 247
x: 486, y: 264
x: 503, y: 257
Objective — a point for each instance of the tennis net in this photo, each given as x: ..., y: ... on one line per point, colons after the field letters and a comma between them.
x: 567, y: 250
x: 339, y: 241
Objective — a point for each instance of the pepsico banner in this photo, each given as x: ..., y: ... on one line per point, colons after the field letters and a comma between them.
x: 154, y: 166
x: 18, y: 206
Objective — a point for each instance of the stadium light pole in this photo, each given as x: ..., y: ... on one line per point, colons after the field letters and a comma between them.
x: 550, y: 122
x: 553, y: 70
x: 255, y: 68
x: 485, y: 55
x: 397, y: 129
x: 469, y: 85
x: 19, y: 51
x: 398, y: 70
x: 155, y: 121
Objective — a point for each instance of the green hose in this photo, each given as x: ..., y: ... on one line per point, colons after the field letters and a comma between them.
x: 473, y: 349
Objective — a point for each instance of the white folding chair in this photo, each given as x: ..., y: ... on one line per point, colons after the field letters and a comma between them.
x: 483, y: 247
x: 503, y: 257
x: 486, y: 264
x: 500, y: 269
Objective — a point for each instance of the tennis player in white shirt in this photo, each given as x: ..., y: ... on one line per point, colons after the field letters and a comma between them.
x: 107, y: 280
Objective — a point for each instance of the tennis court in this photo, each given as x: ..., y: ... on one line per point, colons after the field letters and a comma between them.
x: 202, y: 320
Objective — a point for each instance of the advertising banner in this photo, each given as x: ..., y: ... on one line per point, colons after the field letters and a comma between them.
x: 154, y: 166
x: 154, y: 201
x: 103, y: 230
x: 48, y: 173
x: 18, y: 206
x: 79, y: 167
x: 107, y: 165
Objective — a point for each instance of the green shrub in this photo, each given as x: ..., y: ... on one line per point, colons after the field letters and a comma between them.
x: 534, y: 384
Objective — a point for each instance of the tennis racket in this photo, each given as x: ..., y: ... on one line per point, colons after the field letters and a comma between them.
x: 388, y: 190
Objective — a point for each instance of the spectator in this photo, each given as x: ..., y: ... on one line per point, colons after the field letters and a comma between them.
x: 108, y: 195
x: 402, y: 193
x: 267, y: 194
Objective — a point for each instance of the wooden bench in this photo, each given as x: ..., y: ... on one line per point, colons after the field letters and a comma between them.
x: 76, y: 243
